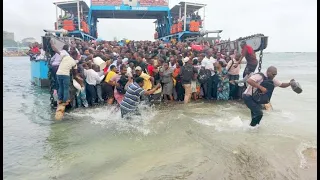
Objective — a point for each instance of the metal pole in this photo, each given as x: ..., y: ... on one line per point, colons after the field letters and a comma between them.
x: 57, y: 17
x: 204, y: 16
x: 185, y: 16
x: 82, y: 11
x: 180, y: 12
x: 78, y: 9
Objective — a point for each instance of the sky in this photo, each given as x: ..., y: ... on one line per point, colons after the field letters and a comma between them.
x: 290, y: 24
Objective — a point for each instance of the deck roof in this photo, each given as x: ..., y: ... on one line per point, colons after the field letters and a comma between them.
x: 71, y: 5
x: 191, y: 8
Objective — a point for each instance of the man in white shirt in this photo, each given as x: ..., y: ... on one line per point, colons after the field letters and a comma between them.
x: 63, y: 76
x: 253, y: 85
x: 208, y: 62
x: 172, y: 63
x: 92, y: 79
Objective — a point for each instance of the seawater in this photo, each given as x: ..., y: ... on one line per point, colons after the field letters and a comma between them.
x: 201, y: 140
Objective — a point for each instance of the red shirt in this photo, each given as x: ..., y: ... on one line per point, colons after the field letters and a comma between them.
x: 197, y: 47
x: 35, y: 50
x: 248, y: 52
x: 150, y: 69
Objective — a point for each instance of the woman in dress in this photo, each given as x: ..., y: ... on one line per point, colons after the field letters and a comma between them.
x: 167, y: 81
x: 223, y: 85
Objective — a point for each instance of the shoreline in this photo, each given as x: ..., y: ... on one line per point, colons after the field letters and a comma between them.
x: 15, y: 55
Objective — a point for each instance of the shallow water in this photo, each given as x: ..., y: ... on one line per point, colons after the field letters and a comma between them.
x: 196, y: 141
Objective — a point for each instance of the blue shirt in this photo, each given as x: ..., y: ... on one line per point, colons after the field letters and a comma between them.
x: 132, y: 97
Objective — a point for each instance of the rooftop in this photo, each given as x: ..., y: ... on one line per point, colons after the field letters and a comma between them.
x: 191, y: 8
x: 71, y: 5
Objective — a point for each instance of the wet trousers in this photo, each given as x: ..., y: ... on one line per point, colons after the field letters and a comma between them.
x: 256, y: 109
x: 91, y: 93
x: 63, y: 91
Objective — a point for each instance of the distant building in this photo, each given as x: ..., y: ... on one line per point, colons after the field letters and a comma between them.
x: 8, y: 35
x: 27, y: 41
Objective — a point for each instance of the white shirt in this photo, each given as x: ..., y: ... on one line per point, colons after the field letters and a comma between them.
x: 41, y: 55
x: 208, y: 64
x: 56, y: 59
x: 92, y: 77
x: 115, y: 62
x: 258, y: 79
x: 172, y: 67
x: 64, y: 53
x: 66, y: 65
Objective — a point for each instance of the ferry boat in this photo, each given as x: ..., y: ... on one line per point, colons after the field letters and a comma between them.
x: 172, y: 25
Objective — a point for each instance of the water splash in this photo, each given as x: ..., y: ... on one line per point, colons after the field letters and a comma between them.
x: 109, y: 117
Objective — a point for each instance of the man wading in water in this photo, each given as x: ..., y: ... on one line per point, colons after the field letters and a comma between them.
x: 129, y: 104
x: 254, y: 82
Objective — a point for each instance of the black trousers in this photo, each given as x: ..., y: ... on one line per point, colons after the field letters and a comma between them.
x: 212, y: 87
x: 209, y: 88
x: 234, y: 88
x: 54, y: 75
x: 91, y: 94
x: 256, y: 109
x: 249, y: 69
x: 180, y: 91
x: 205, y: 89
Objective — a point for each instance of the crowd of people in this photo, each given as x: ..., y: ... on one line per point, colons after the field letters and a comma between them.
x: 106, y: 72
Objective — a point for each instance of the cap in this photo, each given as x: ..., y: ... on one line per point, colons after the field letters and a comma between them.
x: 125, y: 60
x: 138, y: 68
x: 186, y: 59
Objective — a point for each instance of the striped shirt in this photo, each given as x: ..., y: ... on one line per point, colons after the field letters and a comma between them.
x: 132, y: 97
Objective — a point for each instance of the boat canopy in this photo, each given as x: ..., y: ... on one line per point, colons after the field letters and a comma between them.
x: 71, y: 6
x: 191, y: 8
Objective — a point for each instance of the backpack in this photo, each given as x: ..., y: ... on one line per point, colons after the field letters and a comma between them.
x: 187, y: 73
x: 122, y: 83
x: 204, y: 75
x: 260, y: 98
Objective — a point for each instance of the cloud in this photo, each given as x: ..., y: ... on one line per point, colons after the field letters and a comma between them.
x: 290, y: 24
